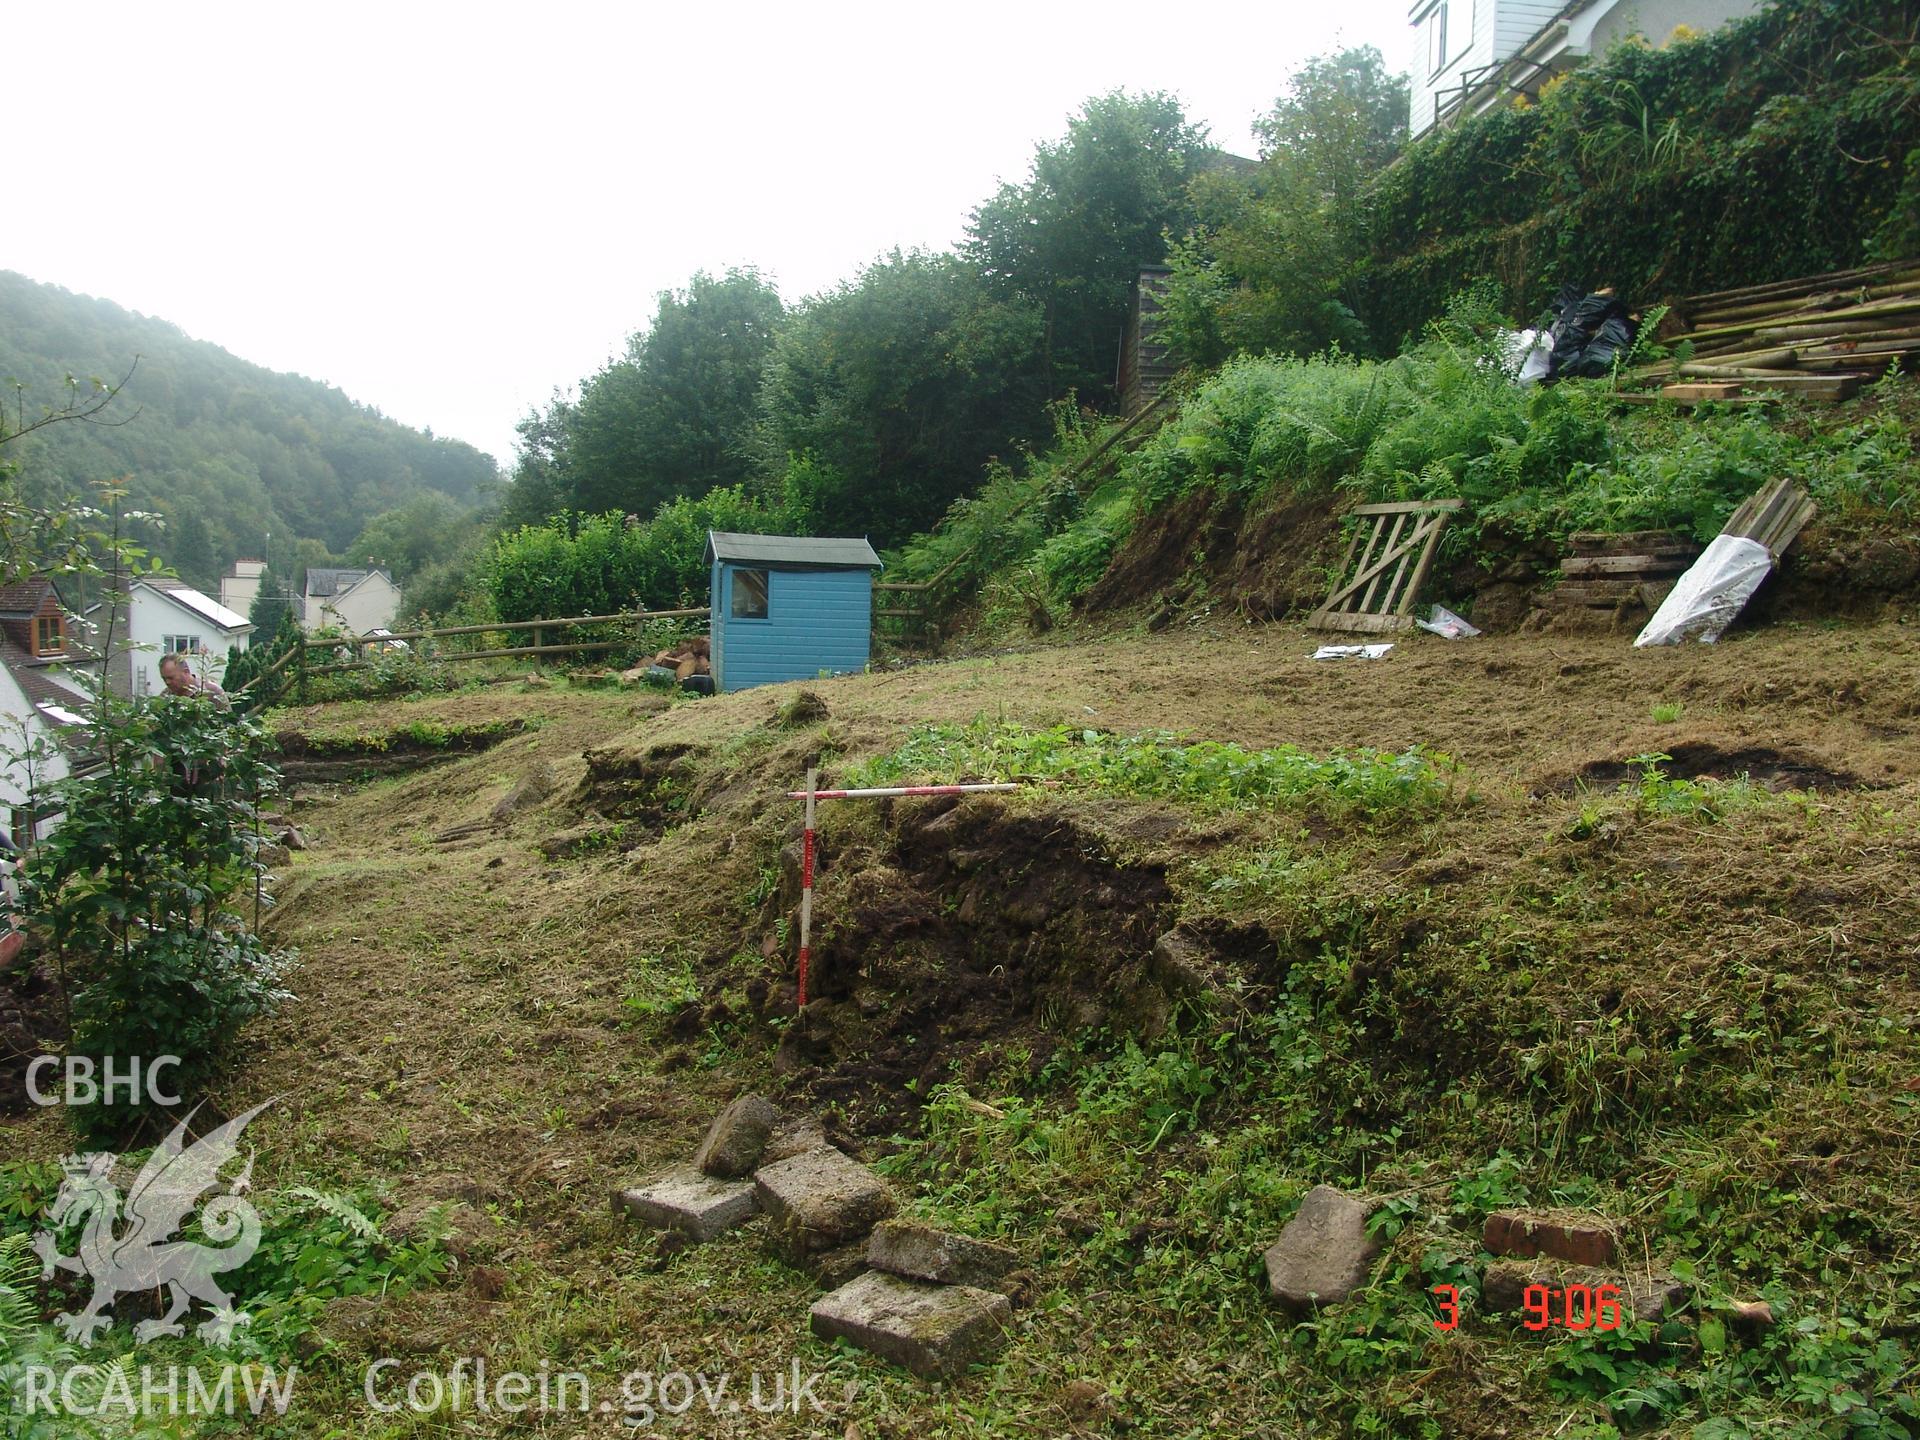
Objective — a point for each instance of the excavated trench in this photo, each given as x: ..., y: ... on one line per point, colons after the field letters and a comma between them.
x: 305, y: 759
x: 970, y: 942
x: 1768, y: 768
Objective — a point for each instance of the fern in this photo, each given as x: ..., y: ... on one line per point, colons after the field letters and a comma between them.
x: 340, y: 1207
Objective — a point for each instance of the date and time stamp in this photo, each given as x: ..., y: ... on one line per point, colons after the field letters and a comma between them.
x: 1544, y: 1307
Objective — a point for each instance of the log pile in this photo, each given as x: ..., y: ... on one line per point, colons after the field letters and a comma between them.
x: 688, y: 658
x: 1613, y: 581
x: 1820, y: 337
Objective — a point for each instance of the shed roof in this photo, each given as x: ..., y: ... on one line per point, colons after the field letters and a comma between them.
x: 797, y: 551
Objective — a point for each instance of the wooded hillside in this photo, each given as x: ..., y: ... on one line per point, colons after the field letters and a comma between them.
x: 227, y: 451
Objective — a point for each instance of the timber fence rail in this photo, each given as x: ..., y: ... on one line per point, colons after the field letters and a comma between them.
x: 293, y: 668
x: 917, y: 602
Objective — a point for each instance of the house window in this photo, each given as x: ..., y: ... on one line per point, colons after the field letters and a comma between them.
x: 180, y: 645
x: 749, y: 595
x: 20, y: 827
x: 1437, y: 39
x: 49, y: 635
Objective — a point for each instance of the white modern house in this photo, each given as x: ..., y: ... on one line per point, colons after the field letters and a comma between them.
x: 1471, y: 56
x: 357, y: 601
x: 38, y: 702
x: 164, y: 616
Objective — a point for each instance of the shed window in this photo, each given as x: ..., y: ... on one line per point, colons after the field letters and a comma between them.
x: 749, y: 595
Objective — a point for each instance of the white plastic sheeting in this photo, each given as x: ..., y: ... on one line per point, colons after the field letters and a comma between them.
x: 1527, y: 354
x: 1711, y: 593
x: 1352, y: 652
x: 1447, y: 625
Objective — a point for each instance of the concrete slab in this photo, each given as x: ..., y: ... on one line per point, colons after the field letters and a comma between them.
x: 932, y: 1330
x: 920, y: 1252
x: 821, y: 1199
x: 698, y: 1206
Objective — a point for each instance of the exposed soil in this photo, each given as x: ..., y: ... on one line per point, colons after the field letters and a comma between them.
x: 1265, y: 564
x: 328, y: 759
x: 32, y: 1023
x: 965, y: 937
x: 1758, y: 765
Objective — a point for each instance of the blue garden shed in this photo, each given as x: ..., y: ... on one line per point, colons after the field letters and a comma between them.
x: 788, y: 608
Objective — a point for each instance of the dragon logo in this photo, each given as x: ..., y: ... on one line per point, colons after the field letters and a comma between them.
x: 145, y: 1256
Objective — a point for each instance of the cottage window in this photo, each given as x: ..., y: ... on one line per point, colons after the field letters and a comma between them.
x: 749, y: 595
x: 180, y: 645
x: 49, y: 635
x: 1437, y: 39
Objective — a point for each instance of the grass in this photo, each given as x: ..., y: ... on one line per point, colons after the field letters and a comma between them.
x: 1210, y: 774
x: 1704, y: 1025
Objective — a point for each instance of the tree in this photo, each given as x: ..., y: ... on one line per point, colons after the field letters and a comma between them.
x: 1095, y: 207
x: 1271, y: 264
x: 671, y: 417
x: 270, y: 604
x: 189, y: 548
x: 426, y: 529
x: 884, y: 398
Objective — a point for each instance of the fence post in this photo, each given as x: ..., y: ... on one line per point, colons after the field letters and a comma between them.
x: 806, y: 888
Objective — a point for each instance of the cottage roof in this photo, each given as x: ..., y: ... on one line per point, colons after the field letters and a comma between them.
x: 791, y: 551
x: 325, y: 582
x: 56, y: 702
x: 22, y: 599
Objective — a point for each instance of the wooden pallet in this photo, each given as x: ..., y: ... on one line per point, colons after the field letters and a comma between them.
x: 1380, y: 590
x: 1774, y: 516
x: 1610, y: 579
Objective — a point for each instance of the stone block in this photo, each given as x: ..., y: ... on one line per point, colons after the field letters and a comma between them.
x: 829, y: 1269
x: 821, y: 1198
x: 920, y: 1252
x: 932, y: 1330
x: 1323, y: 1254
x: 697, y: 1206
x: 795, y: 1137
x: 737, y: 1139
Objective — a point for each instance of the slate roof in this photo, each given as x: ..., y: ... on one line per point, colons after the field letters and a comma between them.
x: 36, y: 682
x: 323, y: 582
x: 791, y: 551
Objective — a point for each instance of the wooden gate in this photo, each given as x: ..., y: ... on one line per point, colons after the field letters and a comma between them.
x: 1378, y: 593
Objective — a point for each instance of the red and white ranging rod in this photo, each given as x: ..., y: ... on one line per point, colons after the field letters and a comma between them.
x: 810, y: 795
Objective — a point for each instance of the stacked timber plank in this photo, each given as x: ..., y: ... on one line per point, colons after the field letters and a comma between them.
x: 1820, y: 337
x: 1611, y: 580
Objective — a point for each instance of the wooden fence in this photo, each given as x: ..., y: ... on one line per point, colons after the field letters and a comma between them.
x: 915, y: 603
x: 294, y: 668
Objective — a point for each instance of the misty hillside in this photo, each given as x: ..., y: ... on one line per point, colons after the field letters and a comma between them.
x: 228, y: 451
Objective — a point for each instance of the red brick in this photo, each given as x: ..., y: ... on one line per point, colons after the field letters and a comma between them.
x: 1578, y: 1239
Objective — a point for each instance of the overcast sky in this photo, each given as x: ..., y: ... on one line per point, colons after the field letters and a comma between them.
x: 449, y: 210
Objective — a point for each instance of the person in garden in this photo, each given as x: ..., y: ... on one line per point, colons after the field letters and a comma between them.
x: 176, y: 672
